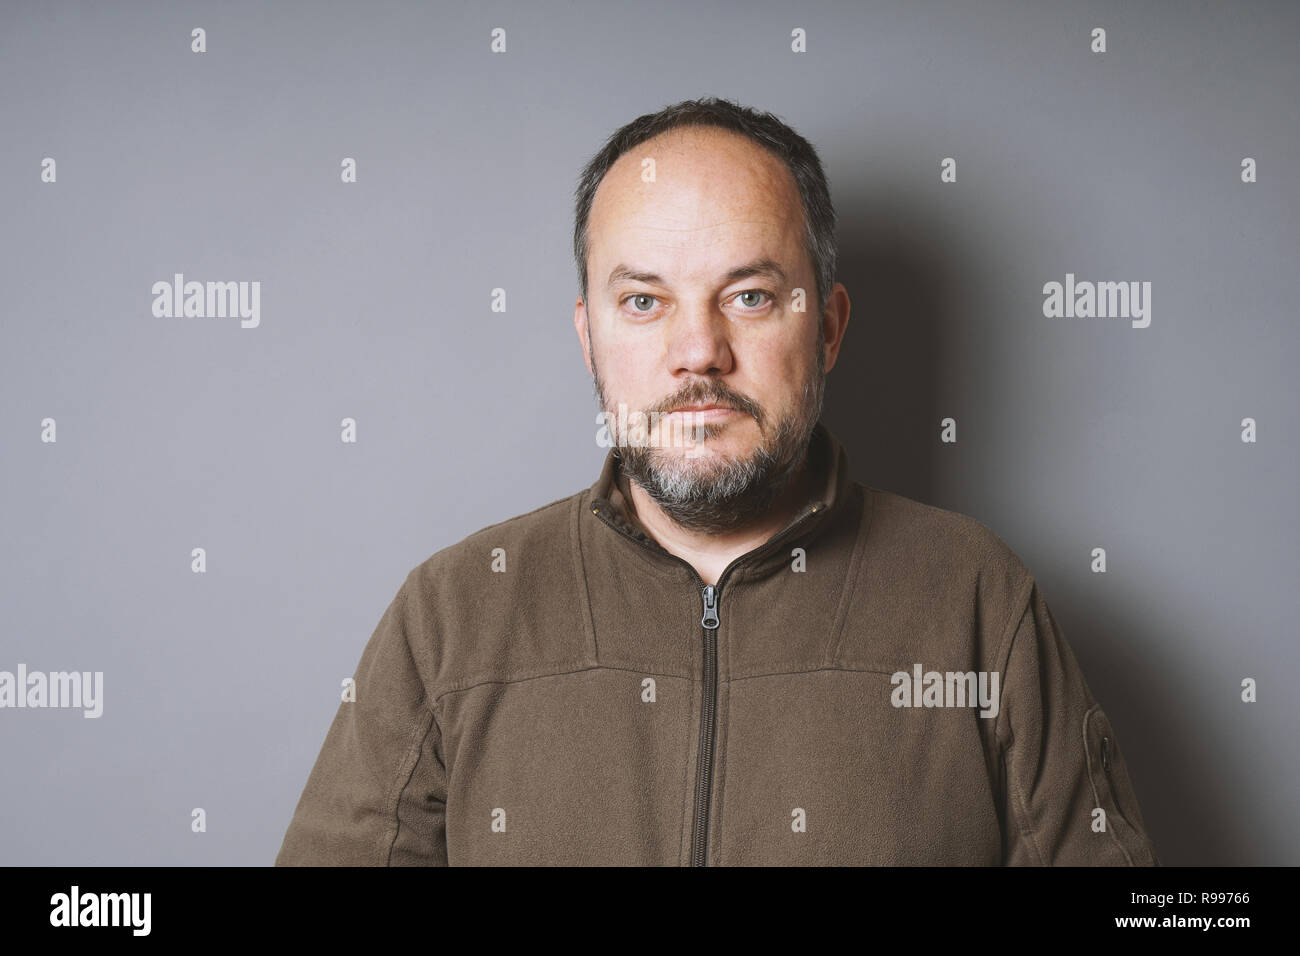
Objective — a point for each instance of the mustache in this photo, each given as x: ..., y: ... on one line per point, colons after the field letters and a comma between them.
x: 710, y: 394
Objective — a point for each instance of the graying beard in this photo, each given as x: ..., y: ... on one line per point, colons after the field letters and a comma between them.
x: 743, y: 489
x: 731, y: 497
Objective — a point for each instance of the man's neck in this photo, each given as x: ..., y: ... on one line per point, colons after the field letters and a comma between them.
x: 710, y: 552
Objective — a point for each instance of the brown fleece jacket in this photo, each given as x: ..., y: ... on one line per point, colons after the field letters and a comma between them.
x: 880, y: 683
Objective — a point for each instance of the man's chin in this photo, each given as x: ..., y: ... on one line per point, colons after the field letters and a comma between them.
x: 705, y: 458
x: 732, y: 441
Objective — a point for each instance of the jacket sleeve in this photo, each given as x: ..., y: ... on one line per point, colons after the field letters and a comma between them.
x: 377, y: 793
x: 1062, y: 762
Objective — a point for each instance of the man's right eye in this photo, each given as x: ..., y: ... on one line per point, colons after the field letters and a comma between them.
x: 636, y: 303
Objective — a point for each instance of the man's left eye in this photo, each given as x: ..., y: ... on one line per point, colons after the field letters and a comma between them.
x: 751, y: 292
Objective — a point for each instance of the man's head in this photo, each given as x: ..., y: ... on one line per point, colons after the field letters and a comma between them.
x: 704, y: 238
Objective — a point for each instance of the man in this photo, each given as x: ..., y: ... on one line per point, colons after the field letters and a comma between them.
x: 726, y: 650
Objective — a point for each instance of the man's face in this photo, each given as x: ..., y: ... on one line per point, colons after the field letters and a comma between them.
x: 669, y: 323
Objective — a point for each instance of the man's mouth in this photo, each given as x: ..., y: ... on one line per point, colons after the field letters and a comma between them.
x: 704, y: 411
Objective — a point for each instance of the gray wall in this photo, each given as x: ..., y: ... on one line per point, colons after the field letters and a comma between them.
x: 177, y: 433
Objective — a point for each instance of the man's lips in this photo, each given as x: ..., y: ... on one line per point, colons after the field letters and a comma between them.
x: 703, y: 413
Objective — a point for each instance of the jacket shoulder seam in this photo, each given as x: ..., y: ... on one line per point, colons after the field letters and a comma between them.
x: 558, y: 669
x: 1019, y: 608
x: 1019, y: 812
x: 405, y: 774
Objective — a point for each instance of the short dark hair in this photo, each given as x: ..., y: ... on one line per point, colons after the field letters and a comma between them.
x: 762, y: 128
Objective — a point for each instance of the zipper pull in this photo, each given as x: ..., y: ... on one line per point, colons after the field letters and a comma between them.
x: 710, y: 619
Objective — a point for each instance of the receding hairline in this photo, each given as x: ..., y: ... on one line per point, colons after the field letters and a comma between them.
x: 679, y: 135
x: 760, y: 266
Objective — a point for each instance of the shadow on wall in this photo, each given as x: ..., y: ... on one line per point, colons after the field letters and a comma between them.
x: 882, y: 403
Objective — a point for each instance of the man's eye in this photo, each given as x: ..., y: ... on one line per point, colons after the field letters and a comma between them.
x: 643, y: 302
x: 752, y: 292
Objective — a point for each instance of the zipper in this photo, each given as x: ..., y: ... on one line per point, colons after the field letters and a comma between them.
x: 704, y: 766
x: 711, y: 596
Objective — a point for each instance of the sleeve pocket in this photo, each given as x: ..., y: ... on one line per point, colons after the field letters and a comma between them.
x: 1113, y: 790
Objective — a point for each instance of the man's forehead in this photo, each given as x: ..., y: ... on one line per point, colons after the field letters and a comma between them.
x: 709, y: 189
x: 685, y: 170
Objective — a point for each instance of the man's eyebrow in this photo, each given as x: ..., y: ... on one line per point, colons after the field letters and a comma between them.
x: 758, y: 267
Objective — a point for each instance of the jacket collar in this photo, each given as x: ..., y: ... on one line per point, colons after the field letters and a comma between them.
x: 830, y: 479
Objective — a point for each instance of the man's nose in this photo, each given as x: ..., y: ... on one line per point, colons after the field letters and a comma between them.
x: 699, y: 341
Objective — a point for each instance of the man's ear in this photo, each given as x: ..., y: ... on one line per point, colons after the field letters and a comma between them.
x: 835, y: 320
x: 580, y: 326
